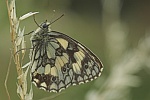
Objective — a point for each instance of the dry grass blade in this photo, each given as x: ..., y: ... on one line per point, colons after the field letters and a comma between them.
x: 18, y: 43
x: 6, y: 79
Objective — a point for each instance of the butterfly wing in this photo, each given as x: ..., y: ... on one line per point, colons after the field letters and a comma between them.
x: 58, y: 61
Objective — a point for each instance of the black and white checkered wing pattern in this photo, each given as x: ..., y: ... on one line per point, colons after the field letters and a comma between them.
x: 58, y: 61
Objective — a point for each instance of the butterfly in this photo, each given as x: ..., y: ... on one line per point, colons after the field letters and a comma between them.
x: 59, y: 61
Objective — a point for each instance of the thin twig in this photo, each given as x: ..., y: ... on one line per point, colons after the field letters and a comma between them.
x: 6, y: 79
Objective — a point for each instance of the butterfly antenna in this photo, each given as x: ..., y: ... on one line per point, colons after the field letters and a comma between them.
x: 36, y: 22
x: 56, y: 19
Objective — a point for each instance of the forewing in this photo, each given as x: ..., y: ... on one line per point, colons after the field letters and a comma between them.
x: 60, y: 61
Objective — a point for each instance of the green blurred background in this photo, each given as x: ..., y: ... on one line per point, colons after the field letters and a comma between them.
x: 117, y: 31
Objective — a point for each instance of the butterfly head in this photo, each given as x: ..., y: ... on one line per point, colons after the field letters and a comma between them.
x: 43, y: 28
x: 45, y: 25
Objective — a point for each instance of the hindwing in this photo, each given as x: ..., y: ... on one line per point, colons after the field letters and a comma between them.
x: 58, y: 61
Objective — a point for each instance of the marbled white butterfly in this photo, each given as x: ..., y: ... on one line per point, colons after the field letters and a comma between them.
x: 59, y: 61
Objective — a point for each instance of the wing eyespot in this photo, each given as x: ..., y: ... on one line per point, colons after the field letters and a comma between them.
x: 44, y: 77
x: 86, y: 66
x: 53, y: 78
x: 64, y: 69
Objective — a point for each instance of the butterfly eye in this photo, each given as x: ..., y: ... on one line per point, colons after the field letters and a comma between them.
x: 44, y: 25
